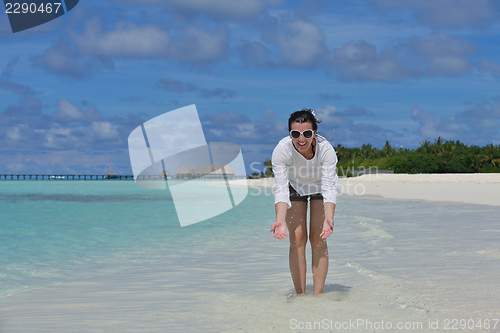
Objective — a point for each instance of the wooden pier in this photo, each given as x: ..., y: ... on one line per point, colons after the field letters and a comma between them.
x: 107, y: 177
x: 67, y: 177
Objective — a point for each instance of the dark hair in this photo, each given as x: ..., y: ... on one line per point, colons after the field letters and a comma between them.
x: 303, y: 116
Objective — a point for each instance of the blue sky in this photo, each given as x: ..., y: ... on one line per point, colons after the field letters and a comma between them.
x: 72, y: 90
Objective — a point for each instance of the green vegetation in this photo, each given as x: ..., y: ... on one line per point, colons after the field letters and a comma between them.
x: 438, y: 157
x: 269, y: 167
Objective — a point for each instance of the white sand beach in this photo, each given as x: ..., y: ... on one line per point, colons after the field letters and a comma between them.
x: 478, y: 188
x: 406, y: 249
x: 467, y: 188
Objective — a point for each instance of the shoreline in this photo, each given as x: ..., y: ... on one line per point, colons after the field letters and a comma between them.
x: 396, y: 261
x: 477, y: 188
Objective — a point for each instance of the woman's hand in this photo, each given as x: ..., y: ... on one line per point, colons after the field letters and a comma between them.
x: 327, y: 228
x: 279, y: 229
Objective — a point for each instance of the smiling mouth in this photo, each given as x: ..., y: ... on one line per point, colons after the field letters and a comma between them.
x: 302, y: 144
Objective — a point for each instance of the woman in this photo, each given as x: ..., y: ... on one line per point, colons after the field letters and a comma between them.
x: 305, y: 170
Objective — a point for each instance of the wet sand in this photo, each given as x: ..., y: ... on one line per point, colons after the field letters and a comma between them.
x: 413, y: 249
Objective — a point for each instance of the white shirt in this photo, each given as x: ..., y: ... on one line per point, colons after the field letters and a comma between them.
x: 317, y: 175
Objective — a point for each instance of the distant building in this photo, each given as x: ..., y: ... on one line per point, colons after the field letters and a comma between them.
x: 186, y: 171
x: 227, y: 170
x: 110, y: 174
x: 206, y: 170
x: 164, y: 174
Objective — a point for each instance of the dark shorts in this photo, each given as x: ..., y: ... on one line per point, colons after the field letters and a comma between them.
x: 294, y: 196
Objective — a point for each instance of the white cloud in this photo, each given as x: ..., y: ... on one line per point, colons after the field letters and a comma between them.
x: 238, y: 128
x: 479, y: 124
x: 445, y: 55
x: 14, y: 133
x: 360, y: 60
x: 431, y: 55
x: 58, y: 137
x: 341, y: 126
x: 26, y: 128
x: 491, y: 112
x: 246, y: 131
x: 438, y: 45
x: 285, y: 43
x: 256, y: 54
x: 71, y: 161
x: 428, y: 124
x: 489, y: 67
x: 64, y: 60
x: 221, y: 8
x: 16, y: 88
x: 127, y: 40
x: 179, y: 87
x: 199, y: 45
x: 302, y: 46
x: 449, y: 13
x: 327, y: 114
x: 67, y: 111
x: 105, y: 130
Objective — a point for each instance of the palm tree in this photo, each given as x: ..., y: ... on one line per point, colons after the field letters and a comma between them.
x: 425, y: 147
x: 366, y: 151
x: 388, y: 150
x: 269, y: 167
x: 492, y: 155
x: 341, y: 151
x: 476, y: 162
x: 438, y: 146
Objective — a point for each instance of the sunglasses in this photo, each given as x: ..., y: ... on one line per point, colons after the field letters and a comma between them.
x: 294, y: 134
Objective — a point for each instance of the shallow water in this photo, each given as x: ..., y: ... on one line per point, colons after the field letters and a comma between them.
x: 111, y: 257
x: 58, y: 231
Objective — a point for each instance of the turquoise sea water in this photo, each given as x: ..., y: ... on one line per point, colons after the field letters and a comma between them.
x: 131, y: 264
x: 59, y: 231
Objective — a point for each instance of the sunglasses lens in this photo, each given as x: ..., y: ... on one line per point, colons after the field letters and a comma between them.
x: 296, y: 134
x: 308, y: 134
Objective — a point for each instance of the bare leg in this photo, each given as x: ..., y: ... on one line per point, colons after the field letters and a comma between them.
x: 318, y: 246
x: 296, y: 218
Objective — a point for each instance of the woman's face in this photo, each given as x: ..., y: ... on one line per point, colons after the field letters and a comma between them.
x: 302, y: 144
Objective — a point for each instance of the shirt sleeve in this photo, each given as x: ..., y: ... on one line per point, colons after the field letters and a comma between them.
x: 329, y: 180
x: 282, y: 191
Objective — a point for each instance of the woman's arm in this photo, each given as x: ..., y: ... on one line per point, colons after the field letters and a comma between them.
x: 281, y: 192
x: 329, y: 210
x: 280, y: 208
x: 328, y: 223
x: 279, y: 165
x: 279, y: 227
x: 328, y: 187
